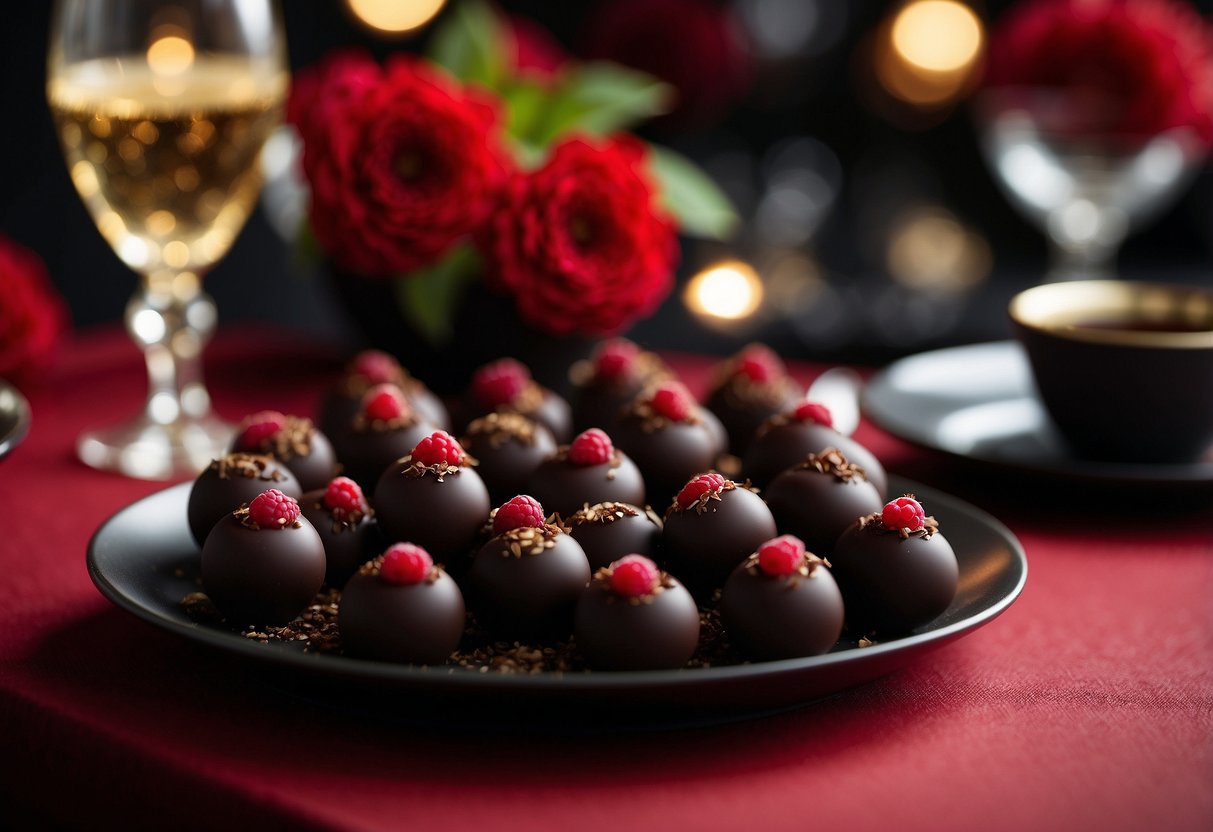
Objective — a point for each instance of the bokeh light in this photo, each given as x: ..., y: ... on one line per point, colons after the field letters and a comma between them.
x: 928, y: 54
x: 930, y: 249
x: 395, y: 16
x: 729, y: 291
x: 170, y: 52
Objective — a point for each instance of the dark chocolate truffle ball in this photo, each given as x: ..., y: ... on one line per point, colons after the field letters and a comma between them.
x: 292, y: 440
x: 785, y: 440
x: 819, y: 498
x: 633, y: 616
x: 507, y: 447
x: 712, y: 525
x: 346, y: 526
x: 608, y: 531
x: 343, y: 401
x: 749, y: 388
x: 893, y: 579
x: 263, y: 563
x: 433, y: 498
x: 590, y: 470
x: 411, y: 614
x: 781, y: 603
x: 605, y: 384
x: 228, y: 482
x: 506, y: 385
x: 382, y: 432
x: 668, y: 437
x: 524, y: 583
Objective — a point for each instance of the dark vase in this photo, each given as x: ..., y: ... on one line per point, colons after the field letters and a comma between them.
x: 487, y: 327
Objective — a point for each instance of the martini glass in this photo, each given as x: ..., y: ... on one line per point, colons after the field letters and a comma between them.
x: 161, y: 110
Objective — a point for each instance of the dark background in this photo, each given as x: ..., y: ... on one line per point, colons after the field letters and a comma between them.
x: 263, y: 280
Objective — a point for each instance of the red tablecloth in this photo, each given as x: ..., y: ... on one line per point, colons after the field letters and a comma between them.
x: 1088, y: 705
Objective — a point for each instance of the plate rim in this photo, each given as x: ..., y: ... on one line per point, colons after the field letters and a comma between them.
x: 1069, y: 467
x: 447, y: 677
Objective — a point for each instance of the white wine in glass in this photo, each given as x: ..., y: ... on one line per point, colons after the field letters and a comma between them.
x: 162, y: 109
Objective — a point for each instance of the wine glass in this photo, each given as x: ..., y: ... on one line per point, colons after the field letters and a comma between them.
x: 1087, y: 191
x: 162, y: 107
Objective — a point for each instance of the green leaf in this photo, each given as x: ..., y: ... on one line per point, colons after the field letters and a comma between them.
x: 600, y: 98
x: 690, y: 195
x: 429, y: 298
x: 470, y: 44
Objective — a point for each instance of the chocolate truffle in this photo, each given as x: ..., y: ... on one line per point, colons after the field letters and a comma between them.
x: 228, y: 482
x: 781, y: 603
x: 784, y: 440
x: 712, y: 525
x: 293, y: 441
x: 605, y: 384
x: 668, y: 437
x: 384, y: 430
x: 748, y: 389
x: 400, y: 607
x: 263, y: 563
x: 895, y: 570
x: 506, y: 385
x: 508, y: 447
x: 608, y: 531
x: 587, y: 471
x: 346, y: 525
x: 817, y: 499
x: 524, y: 583
x: 343, y: 401
x: 633, y: 616
x: 433, y: 497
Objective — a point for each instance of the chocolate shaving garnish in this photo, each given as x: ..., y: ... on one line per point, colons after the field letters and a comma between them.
x: 873, y: 524
x: 529, y: 540
x: 833, y: 462
x: 246, y: 520
x: 407, y: 419
x: 413, y: 470
x: 372, y: 567
x: 602, y: 579
x: 603, y: 513
x: 502, y: 426
x: 807, y: 569
x: 528, y: 400
x: 249, y: 466
x: 295, y: 439
x: 701, y: 502
x: 650, y: 420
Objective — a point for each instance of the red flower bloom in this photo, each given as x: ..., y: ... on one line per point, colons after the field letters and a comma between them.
x: 532, y: 49
x: 401, y: 166
x: 1128, y: 68
x: 32, y: 314
x: 580, y: 243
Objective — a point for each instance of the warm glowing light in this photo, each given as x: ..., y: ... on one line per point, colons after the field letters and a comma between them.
x: 395, y: 16
x: 937, y: 35
x: 728, y: 291
x: 930, y: 249
x: 170, y: 55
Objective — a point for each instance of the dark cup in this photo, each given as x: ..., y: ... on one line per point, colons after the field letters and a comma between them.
x: 1124, y: 369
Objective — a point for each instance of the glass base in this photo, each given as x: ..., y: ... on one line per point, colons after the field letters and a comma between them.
x: 148, y: 450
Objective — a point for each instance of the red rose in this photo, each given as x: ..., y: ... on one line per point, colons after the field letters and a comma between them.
x: 32, y: 314
x: 322, y: 93
x: 1127, y: 68
x: 580, y: 243
x: 694, y: 45
x: 401, y: 166
x: 532, y: 49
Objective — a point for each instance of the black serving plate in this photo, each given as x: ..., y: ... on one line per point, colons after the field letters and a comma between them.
x: 979, y: 402
x: 143, y: 559
x: 14, y: 418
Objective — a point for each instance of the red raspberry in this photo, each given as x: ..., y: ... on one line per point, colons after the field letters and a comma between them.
x: 593, y: 447
x: 814, y: 412
x: 405, y: 564
x: 437, y: 448
x: 698, y: 486
x: 517, y: 513
x: 384, y: 402
x: 672, y: 401
x: 760, y: 364
x: 782, y: 555
x: 634, y: 576
x: 344, y: 499
x: 500, y: 382
x: 376, y: 367
x: 257, y: 428
x: 271, y: 509
x: 614, y: 358
x: 903, y: 513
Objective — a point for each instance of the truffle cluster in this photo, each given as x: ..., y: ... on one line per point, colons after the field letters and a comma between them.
x: 521, y: 532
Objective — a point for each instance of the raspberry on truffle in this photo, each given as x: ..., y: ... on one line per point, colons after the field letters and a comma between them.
x: 814, y: 412
x: 500, y: 382
x: 903, y: 513
x: 345, y: 501
x: 376, y: 366
x: 405, y: 564
x: 634, y: 576
x: 614, y: 358
x: 271, y: 509
x: 673, y: 401
x: 384, y: 402
x: 256, y: 428
x: 519, y: 512
x: 782, y: 555
x: 438, y: 448
x: 690, y: 494
x: 760, y: 364
x: 592, y: 447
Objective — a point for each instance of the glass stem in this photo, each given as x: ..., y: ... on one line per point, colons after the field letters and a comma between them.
x: 1086, y: 236
x: 171, y: 319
